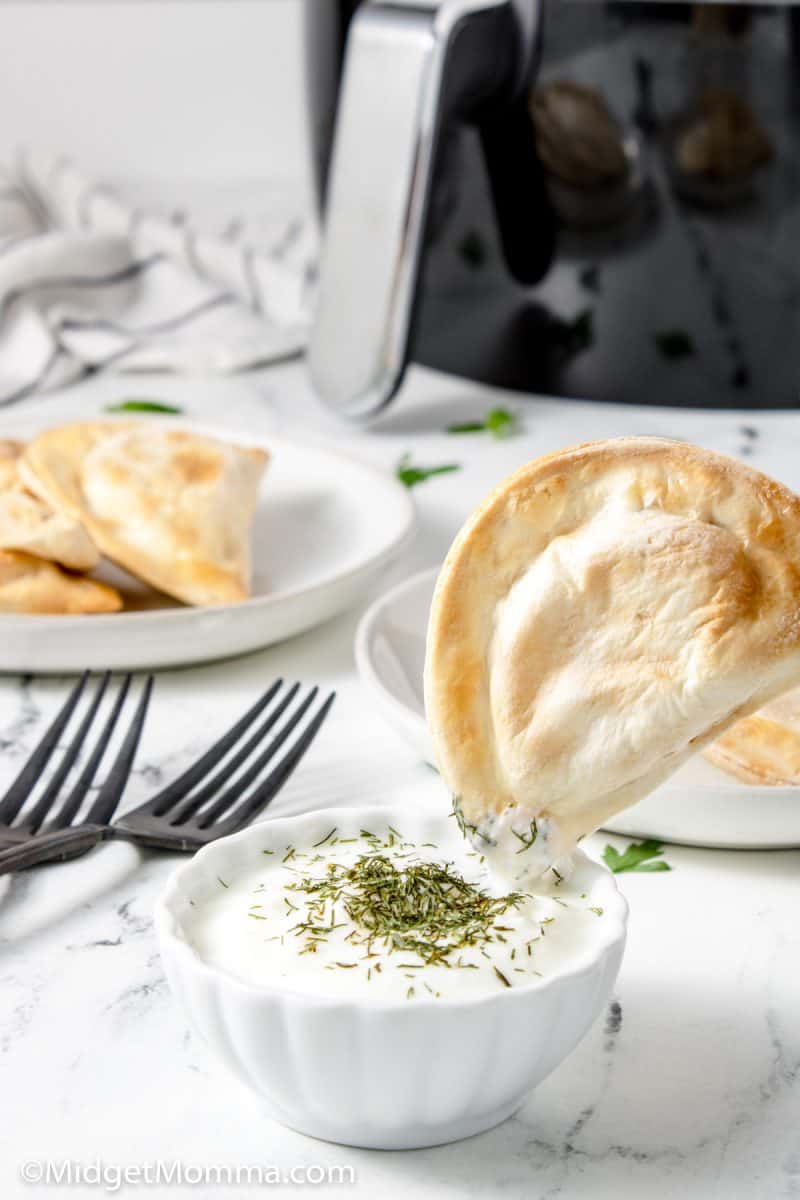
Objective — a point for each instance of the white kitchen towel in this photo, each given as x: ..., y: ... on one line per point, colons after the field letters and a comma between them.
x: 88, y: 281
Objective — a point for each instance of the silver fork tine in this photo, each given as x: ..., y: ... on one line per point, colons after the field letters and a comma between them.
x: 235, y: 792
x: 269, y: 787
x: 198, y: 798
x: 66, y: 842
x: 41, y: 808
x: 74, y: 800
x: 23, y: 785
x: 186, y: 828
x: 109, y: 795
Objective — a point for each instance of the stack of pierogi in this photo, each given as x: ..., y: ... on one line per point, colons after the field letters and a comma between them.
x: 172, y: 507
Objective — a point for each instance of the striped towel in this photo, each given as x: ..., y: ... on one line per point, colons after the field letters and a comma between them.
x: 88, y: 281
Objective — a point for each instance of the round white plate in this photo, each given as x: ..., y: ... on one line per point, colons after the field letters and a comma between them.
x: 698, y: 806
x: 326, y: 526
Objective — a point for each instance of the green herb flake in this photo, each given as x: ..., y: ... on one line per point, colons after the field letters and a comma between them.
x: 498, y: 422
x: 424, y: 909
x: 134, y: 405
x: 528, y: 839
x: 501, y: 423
x: 467, y: 427
x: 638, y: 856
x: 222, y: 881
x: 322, y: 841
x: 410, y: 475
x: 465, y: 828
x: 501, y: 977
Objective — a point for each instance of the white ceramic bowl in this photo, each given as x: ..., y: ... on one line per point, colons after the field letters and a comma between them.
x: 388, y: 1074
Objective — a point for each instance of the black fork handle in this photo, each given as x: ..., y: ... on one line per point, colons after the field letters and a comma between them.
x: 49, y: 847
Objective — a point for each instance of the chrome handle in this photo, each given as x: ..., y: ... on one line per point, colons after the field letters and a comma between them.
x: 408, y: 68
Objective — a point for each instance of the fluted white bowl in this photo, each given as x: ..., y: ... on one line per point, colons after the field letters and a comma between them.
x: 383, y: 1073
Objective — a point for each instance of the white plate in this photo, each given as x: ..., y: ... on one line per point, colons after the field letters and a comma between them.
x: 698, y: 806
x: 326, y: 526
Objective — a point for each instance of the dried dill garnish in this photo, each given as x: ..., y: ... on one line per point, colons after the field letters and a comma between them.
x: 466, y: 829
x: 422, y: 908
x: 528, y: 838
x: 501, y: 977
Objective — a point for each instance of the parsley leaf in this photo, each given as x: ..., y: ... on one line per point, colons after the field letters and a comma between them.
x: 499, y: 422
x: 638, y: 856
x: 410, y: 476
x: 147, y: 406
x: 467, y: 427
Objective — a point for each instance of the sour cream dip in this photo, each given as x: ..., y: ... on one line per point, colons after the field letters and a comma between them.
x: 371, y: 913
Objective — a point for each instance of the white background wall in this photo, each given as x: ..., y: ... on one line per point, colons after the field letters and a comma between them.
x: 184, y: 89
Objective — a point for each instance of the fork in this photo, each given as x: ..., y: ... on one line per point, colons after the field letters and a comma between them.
x: 34, y: 827
x: 198, y: 807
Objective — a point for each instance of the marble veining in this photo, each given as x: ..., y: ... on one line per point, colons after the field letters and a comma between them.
x: 688, y: 1086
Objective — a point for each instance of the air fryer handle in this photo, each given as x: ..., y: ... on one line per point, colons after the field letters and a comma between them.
x: 525, y: 218
x: 409, y: 68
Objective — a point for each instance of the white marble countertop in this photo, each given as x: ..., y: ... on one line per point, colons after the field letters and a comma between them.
x: 689, y: 1086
